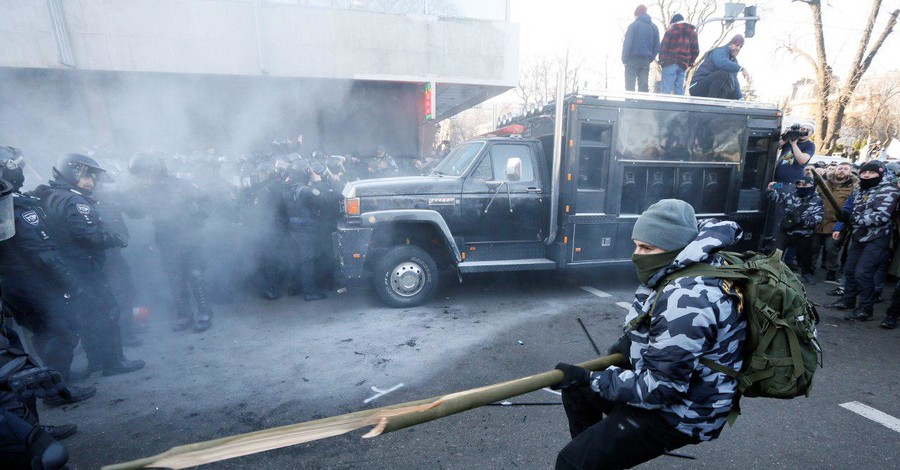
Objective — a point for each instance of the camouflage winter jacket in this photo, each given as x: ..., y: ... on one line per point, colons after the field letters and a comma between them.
x: 694, y: 317
x: 808, y: 211
x: 871, y: 211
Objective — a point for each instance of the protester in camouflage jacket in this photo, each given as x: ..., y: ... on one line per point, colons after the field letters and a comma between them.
x: 694, y: 317
x: 623, y: 416
x: 805, y: 204
x: 871, y: 210
x: 803, y: 210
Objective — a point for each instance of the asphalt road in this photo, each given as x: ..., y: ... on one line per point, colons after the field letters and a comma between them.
x: 273, y: 363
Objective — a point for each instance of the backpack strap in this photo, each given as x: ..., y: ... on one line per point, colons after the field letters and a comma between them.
x: 694, y: 270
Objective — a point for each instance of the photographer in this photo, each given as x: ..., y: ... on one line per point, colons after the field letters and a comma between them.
x: 803, y: 210
x: 796, y: 151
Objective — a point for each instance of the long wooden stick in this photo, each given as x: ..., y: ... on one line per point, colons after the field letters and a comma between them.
x: 384, y: 419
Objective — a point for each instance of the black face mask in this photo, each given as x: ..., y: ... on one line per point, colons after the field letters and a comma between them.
x: 805, y: 192
x: 648, y: 265
x: 868, y: 183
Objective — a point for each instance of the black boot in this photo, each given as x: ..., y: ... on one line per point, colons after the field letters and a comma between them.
x: 123, y: 367
x: 839, y: 305
x: 71, y: 394
x: 859, y: 315
x: 60, y: 432
x: 889, y: 323
x: 204, y: 311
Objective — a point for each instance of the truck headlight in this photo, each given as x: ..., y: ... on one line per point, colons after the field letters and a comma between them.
x: 351, y: 206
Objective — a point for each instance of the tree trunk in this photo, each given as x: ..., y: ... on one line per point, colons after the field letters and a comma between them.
x: 858, y: 68
x: 823, y: 71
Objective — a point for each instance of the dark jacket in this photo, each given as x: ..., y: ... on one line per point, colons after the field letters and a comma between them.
x: 809, y: 211
x: 76, y: 223
x: 871, y: 211
x: 719, y: 59
x: 679, y: 46
x: 641, y: 41
x: 31, y: 256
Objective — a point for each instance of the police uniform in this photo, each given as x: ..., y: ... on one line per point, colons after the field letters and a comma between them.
x: 303, y: 208
x: 37, y: 283
x: 76, y: 222
x: 179, y: 212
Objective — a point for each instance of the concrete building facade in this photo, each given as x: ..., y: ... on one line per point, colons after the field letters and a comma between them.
x: 347, y: 74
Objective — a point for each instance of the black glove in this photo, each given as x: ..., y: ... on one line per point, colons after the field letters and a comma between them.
x: 573, y: 377
x: 622, y: 346
x: 43, y: 382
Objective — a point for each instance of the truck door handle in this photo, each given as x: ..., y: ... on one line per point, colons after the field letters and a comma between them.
x: 533, y: 190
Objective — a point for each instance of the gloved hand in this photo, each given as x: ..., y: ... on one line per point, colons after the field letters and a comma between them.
x: 43, y: 382
x: 120, y: 240
x: 573, y: 376
x: 622, y: 346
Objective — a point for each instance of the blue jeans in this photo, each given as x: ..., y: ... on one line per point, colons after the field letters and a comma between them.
x: 673, y: 76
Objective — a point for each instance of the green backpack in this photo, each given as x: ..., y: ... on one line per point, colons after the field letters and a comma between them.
x: 781, y: 352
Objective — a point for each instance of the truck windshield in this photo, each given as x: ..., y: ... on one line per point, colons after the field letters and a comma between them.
x: 459, y: 159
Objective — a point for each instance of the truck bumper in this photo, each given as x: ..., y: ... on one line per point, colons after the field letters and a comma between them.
x: 351, y: 247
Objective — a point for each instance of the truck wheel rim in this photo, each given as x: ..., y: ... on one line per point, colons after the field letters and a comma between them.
x: 407, y: 279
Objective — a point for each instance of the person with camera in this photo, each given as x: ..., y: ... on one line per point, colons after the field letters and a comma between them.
x: 796, y: 150
x: 803, y: 211
x: 870, y: 210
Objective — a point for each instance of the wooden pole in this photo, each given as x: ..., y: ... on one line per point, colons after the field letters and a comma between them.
x: 384, y: 419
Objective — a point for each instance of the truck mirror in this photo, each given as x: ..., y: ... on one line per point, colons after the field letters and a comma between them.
x: 514, y: 169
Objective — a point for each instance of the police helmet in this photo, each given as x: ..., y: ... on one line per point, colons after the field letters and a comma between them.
x: 335, y: 164
x: 72, y: 167
x: 317, y: 167
x: 299, y: 172
x: 145, y: 165
x: 11, y: 166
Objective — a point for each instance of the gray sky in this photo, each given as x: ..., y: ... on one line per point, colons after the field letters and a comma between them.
x: 593, y: 30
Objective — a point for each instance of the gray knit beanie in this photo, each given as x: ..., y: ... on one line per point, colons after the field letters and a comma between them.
x: 669, y: 224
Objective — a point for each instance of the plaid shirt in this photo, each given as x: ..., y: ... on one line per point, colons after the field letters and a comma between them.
x: 679, y: 46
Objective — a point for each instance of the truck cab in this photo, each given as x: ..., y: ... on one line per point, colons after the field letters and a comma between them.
x: 564, y: 194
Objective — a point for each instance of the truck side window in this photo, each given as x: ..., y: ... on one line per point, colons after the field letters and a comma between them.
x: 483, y: 170
x: 501, y: 154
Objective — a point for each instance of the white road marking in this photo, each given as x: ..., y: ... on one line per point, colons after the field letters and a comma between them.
x: 380, y: 393
x: 833, y: 282
x: 879, y: 417
x: 552, y: 391
x: 598, y: 293
x: 625, y: 305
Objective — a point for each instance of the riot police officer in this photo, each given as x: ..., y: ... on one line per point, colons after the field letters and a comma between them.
x: 303, y: 204
x: 36, y: 282
x: 178, y: 211
x: 330, y: 187
x: 24, y: 443
x: 76, y: 221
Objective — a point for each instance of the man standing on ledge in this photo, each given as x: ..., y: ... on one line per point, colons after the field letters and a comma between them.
x: 639, y: 49
x: 666, y: 399
x: 717, y: 75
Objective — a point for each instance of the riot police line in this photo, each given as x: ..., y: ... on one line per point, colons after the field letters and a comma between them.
x: 64, y: 278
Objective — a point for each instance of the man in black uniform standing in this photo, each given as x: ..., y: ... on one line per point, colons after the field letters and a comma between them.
x: 178, y: 211
x: 37, y: 286
x: 76, y: 222
x: 303, y: 206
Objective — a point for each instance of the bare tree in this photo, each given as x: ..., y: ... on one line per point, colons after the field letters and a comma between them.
x: 874, y: 113
x: 537, y: 77
x: 694, y: 12
x: 831, y: 107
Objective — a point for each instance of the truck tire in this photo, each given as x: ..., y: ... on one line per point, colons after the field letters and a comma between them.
x: 405, y: 276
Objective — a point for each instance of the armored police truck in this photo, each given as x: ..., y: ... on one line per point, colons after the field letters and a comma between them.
x: 562, y: 192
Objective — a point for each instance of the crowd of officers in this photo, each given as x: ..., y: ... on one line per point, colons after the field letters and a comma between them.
x: 63, y: 276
